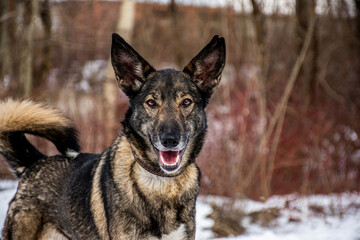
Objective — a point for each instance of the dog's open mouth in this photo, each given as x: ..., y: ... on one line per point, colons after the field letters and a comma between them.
x: 170, y: 160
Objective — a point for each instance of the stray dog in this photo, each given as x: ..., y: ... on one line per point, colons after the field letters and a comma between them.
x: 144, y: 186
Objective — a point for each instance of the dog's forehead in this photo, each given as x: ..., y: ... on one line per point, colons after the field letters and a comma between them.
x: 169, y: 82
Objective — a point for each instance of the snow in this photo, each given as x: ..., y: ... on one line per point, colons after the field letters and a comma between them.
x: 7, y: 191
x: 92, y: 71
x: 330, y: 229
x: 203, y: 224
x: 337, y: 216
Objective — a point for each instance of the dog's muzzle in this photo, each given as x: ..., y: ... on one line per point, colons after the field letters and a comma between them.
x: 169, y: 149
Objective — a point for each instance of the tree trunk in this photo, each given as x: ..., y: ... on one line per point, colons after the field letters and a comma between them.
x: 259, y: 20
x: 357, y: 33
x: 26, y: 61
x: 357, y: 7
x: 4, y: 55
x: 45, y: 15
x: 11, y: 30
x: 174, y: 16
x: 125, y: 26
x: 305, y: 10
x: 260, y: 82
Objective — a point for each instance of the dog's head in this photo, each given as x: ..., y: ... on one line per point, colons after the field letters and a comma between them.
x: 167, y: 107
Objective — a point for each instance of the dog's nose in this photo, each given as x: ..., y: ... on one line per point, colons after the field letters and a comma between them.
x: 170, y: 139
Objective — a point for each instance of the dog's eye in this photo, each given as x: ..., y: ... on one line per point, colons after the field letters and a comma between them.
x: 151, y: 103
x: 187, y: 102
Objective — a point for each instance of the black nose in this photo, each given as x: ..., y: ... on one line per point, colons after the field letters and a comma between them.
x: 170, y: 140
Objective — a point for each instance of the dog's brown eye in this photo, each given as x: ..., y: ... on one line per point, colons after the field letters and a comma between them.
x: 151, y: 103
x: 187, y: 102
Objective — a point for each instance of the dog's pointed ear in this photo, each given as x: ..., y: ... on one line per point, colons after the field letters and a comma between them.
x: 131, y: 70
x: 205, y: 69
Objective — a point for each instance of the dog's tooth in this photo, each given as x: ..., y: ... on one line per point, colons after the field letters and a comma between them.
x: 162, y: 159
x: 177, y: 159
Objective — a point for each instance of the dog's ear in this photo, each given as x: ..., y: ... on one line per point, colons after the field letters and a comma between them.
x: 131, y: 69
x: 205, y: 69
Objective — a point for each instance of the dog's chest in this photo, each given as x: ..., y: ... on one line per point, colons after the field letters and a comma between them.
x: 167, y: 211
x: 178, y: 234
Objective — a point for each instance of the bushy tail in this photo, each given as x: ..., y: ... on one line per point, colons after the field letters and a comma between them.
x: 20, y: 117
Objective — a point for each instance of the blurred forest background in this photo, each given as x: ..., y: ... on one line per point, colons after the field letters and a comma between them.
x: 285, y: 119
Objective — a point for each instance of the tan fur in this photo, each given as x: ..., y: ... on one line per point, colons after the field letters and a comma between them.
x: 97, y: 204
x: 20, y: 117
x: 49, y: 232
x: 28, y: 115
x: 27, y: 225
x: 122, y: 166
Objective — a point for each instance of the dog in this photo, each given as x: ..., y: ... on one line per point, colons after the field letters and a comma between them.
x: 144, y: 186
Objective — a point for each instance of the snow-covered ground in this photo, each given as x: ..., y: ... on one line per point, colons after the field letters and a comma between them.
x: 7, y: 191
x: 316, y: 217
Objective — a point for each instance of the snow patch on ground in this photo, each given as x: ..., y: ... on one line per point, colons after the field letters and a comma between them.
x: 7, y: 191
x: 315, y: 217
x: 203, y: 224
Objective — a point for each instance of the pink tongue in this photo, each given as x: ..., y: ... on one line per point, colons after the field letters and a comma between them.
x: 169, y: 156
